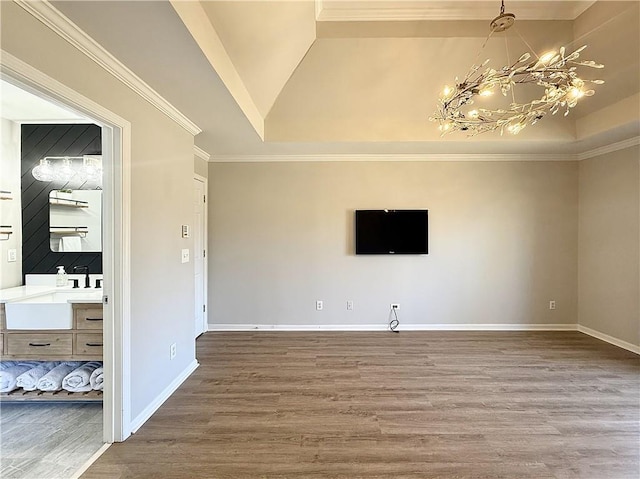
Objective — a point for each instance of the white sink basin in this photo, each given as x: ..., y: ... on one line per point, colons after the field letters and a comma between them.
x: 47, y: 311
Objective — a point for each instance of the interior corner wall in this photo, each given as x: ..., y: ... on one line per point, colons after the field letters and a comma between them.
x: 502, y: 243
x: 200, y: 167
x: 11, y: 272
x: 609, y: 244
x: 162, y: 288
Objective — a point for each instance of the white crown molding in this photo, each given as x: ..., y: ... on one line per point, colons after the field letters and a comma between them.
x: 603, y: 150
x: 389, y: 157
x: 334, y: 157
x: 63, y: 26
x: 318, y: 8
x: 447, y: 10
x: 200, y: 153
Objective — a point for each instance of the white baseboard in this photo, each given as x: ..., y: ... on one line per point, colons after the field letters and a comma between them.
x: 428, y: 327
x: 609, y: 339
x: 162, y: 397
x: 383, y: 327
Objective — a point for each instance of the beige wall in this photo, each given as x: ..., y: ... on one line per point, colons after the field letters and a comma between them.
x: 10, y: 210
x: 162, y: 291
x: 503, y: 242
x: 609, y: 244
x: 200, y: 167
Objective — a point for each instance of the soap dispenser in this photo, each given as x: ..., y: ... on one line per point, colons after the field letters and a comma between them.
x: 61, y: 277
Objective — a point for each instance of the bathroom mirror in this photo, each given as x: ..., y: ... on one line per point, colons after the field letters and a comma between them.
x: 75, y: 221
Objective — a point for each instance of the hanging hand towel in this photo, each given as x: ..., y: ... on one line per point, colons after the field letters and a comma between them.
x: 52, y: 381
x: 97, y: 379
x: 29, y: 379
x: 70, y: 243
x: 78, y: 380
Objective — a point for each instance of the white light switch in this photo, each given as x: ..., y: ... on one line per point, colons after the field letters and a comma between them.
x: 185, y: 231
x: 185, y: 255
x: 12, y: 255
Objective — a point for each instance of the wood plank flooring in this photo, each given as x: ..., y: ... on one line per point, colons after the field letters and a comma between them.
x: 350, y: 405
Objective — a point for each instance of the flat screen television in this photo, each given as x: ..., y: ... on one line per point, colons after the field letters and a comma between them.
x: 392, y: 231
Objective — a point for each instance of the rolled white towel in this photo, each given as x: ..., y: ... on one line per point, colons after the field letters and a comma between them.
x: 52, y: 381
x: 78, y: 380
x: 9, y: 376
x: 28, y: 380
x: 8, y: 364
x: 97, y: 379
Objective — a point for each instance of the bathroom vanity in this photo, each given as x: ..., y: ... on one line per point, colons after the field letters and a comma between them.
x: 83, y: 342
x: 25, y: 334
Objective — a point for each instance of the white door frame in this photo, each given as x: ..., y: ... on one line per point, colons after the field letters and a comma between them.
x: 116, y: 152
x: 205, y: 239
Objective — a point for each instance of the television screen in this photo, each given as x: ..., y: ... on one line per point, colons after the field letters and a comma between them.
x: 392, y: 231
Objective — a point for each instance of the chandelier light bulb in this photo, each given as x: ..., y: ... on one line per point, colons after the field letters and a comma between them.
x: 547, y: 57
x: 515, y: 129
x: 575, y: 93
x: 444, y: 127
x: 447, y: 91
x: 473, y: 114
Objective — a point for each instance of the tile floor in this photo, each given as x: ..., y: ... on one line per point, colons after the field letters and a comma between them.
x: 47, y: 440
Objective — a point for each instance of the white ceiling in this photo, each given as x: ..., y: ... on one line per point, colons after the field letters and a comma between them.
x: 396, y: 70
x: 21, y: 106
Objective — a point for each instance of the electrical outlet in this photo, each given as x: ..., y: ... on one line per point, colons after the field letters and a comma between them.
x: 319, y: 305
x: 349, y: 305
x: 172, y: 351
x: 12, y: 255
x: 185, y: 255
x: 552, y: 304
x: 395, y: 305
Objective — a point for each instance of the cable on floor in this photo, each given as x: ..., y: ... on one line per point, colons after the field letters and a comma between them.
x: 395, y: 322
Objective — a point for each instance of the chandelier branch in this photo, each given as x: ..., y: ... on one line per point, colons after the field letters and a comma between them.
x: 554, y: 72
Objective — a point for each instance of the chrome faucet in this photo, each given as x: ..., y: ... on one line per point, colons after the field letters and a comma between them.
x: 85, y: 269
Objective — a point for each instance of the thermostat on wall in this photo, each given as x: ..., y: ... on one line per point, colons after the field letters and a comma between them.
x: 185, y: 231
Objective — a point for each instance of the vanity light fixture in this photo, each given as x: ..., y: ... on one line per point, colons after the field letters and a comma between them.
x: 62, y: 168
x: 555, y: 72
x: 43, y: 171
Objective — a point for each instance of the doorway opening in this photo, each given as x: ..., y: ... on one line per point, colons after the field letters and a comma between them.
x: 116, y: 153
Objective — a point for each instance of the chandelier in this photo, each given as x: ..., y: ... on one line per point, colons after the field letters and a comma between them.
x: 62, y: 168
x: 554, y: 72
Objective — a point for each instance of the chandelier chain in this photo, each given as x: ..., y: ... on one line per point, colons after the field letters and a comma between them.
x: 526, y: 43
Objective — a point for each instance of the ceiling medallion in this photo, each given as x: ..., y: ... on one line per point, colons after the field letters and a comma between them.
x: 553, y: 71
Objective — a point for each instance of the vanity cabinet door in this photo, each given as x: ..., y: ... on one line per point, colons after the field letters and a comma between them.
x: 39, y: 345
x: 88, y: 317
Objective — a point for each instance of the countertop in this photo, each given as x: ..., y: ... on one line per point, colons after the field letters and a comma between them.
x: 19, y: 293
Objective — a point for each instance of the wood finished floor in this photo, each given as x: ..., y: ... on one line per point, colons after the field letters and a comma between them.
x: 513, y: 405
